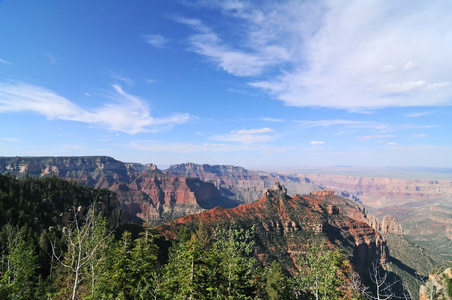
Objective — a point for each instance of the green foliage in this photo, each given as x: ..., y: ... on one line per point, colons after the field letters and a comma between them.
x: 133, y: 270
x: 321, y: 272
x: 278, y: 286
x: 18, y: 270
x: 206, y: 268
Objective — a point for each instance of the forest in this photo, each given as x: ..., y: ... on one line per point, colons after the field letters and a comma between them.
x: 56, y: 243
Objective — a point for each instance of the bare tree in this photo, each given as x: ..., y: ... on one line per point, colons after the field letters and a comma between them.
x: 383, y: 287
x: 355, y: 285
x: 84, y: 242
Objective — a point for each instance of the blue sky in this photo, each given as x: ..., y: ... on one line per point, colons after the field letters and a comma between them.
x: 260, y: 84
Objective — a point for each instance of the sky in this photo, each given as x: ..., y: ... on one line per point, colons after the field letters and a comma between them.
x: 258, y: 84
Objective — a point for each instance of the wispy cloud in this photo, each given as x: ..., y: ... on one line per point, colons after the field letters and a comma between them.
x: 419, y: 135
x: 234, y: 61
x: 273, y: 120
x: 378, y: 136
x: 156, y: 40
x: 355, y: 56
x: 418, y: 114
x: 317, y: 143
x: 125, y: 112
x: 51, y: 58
x: 5, y: 62
x: 150, y: 81
x: 12, y: 140
x: 246, y: 136
x: 120, y: 78
x: 342, y: 123
x: 181, y: 147
x: 352, y: 124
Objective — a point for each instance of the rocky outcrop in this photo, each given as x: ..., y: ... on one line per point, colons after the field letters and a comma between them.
x: 386, y: 225
x: 322, y: 194
x: 285, y: 225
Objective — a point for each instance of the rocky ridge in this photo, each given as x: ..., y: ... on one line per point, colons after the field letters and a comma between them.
x: 284, y: 225
x: 239, y: 184
x: 145, y: 193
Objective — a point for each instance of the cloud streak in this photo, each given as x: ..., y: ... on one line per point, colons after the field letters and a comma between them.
x: 352, y: 124
x: 156, y: 40
x: 125, y: 112
x: 185, y: 148
x: 246, y: 136
x: 349, y: 55
x: 5, y: 62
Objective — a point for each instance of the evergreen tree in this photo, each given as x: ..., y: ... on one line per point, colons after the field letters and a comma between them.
x: 278, y: 285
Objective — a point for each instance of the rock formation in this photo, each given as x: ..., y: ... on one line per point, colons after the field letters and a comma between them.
x: 285, y: 225
x: 145, y: 193
x: 239, y: 184
x: 386, y: 225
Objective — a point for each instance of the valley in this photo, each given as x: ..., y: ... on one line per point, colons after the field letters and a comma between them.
x: 398, y: 219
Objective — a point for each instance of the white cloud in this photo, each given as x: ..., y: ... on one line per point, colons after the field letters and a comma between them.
x: 12, y: 140
x: 436, y: 85
x: 181, y: 147
x: 317, y: 143
x: 419, y: 135
x: 120, y: 78
x: 150, y: 81
x: 51, y: 58
x: 246, y: 136
x: 378, y: 136
x: 391, y: 143
x: 156, y: 40
x: 419, y: 114
x: 273, y: 120
x: 342, y: 123
x: 126, y: 113
x: 350, y: 55
x: 5, y: 62
x: 252, y: 131
x: 388, y: 69
x: 234, y: 61
x: 410, y: 65
x: 404, y: 87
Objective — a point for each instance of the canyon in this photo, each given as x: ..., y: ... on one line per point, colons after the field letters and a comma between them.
x: 152, y: 195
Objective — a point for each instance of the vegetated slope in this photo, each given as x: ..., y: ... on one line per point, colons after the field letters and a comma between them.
x: 144, y: 191
x: 34, y: 209
x: 240, y: 184
x: 426, y: 225
x: 438, y: 286
x: 42, y: 202
x: 410, y: 262
x: 285, y: 225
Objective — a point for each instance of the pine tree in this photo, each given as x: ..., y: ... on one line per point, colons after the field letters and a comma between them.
x: 278, y: 285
